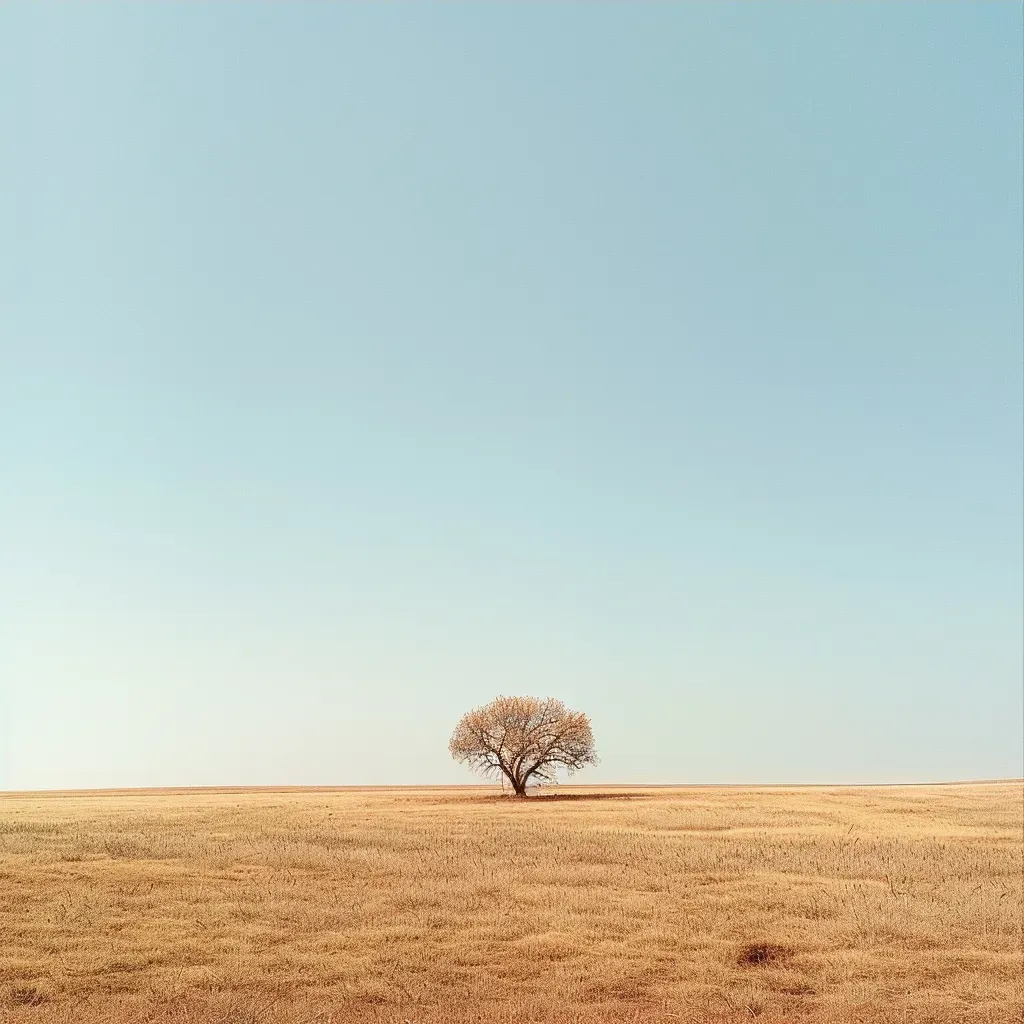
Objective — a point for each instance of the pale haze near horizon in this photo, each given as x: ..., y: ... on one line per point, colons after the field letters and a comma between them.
x: 359, y: 364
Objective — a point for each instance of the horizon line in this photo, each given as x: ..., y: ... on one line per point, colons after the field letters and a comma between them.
x: 169, y: 790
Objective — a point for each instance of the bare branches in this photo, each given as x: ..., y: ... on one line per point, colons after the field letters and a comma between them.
x: 523, y: 738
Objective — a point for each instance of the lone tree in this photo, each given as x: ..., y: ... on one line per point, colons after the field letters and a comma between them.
x: 523, y: 739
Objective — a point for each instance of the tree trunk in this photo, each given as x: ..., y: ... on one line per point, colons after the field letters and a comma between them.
x: 520, y: 788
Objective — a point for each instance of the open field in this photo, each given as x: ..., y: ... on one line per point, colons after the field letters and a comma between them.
x: 451, y: 905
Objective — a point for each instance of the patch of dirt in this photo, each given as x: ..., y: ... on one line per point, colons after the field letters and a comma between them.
x: 760, y: 954
x: 28, y: 995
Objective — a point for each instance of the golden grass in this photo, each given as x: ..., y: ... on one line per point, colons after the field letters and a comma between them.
x: 433, y: 906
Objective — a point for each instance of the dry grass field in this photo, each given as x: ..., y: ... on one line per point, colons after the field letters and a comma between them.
x: 432, y: 906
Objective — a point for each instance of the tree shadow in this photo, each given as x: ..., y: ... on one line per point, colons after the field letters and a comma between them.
x: 543, y: 798
x: 586, y: 796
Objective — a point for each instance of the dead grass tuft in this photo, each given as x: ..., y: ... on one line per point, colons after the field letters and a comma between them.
x: 797, y: 990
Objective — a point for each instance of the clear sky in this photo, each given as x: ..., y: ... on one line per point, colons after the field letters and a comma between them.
x: 360, y: 363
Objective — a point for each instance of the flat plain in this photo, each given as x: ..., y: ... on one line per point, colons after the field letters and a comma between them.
x: 437, y: 906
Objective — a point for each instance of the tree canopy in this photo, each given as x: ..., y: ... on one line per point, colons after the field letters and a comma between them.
x: 523, y: 739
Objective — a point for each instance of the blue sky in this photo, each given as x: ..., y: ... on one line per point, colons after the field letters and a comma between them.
x: 360, y: 363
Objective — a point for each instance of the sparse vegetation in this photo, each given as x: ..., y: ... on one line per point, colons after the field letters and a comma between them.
x: 443, y: 906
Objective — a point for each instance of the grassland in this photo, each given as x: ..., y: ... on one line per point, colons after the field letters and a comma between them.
x: 434, y: 906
